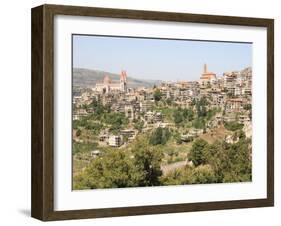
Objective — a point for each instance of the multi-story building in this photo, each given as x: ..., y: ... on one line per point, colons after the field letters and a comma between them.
x: 234, y: 105
x: 146, y: 106
x: 130, y: 111
x: 115, y: 141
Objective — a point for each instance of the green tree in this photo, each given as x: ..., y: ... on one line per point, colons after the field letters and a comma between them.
x: 78, y: 132
x: 199, y: 123
x: 178, y: 118
x: 139, y: 125
x: 177, y: 137
x: 197, y: 153
x: 188, y: 114
x: 247, y: 107
x: 116, y: 169
x: 231, y: 162
x: 220, y: 162
x: 159, y: 136
x: 169, y: 101
x: 201, y: 107
x: 157, y: 95
x: 147, y: 160
x: 94, y: 126
x: 116, y: 120
x: 97, y: 107
x: 193, y: 102
x: 173, y: 178
x: 233, y: 126
x: 202, y: 174
x: 216, y: 156
x: 83, y: 147
x: 113, y: 170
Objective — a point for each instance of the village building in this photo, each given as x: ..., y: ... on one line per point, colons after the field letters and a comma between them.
x: 234, y: 105
x: 103, y: 137
x: 187, y: 138
x: 115, y: 141
x: 182, y: 84
x: 153, y: 117
x: 231, y: 117
x: 146, y: 106
x: 95, y: 153
x: 247, y: 91
x: 77, y: 101
x: 244, y: 118
x: 130, y: 112
x: 229, y: 80
x: 118, y: 107
x: 79, y: 113
x: 131, y: 97
x: 130, y: 134
x: 238, y: 91
x: 247, y: 129
x: 195, y: 132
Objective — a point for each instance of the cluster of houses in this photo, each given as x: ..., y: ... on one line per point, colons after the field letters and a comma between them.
x: 126, y: 135
x: 232, y: 93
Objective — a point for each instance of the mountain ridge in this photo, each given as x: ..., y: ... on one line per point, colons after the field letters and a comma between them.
x: 87, y: 78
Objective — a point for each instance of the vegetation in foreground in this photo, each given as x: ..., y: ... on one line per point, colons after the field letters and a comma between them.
x: 140, y: 166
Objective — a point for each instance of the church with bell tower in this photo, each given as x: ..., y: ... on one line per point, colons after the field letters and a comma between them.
x: 107, y: 85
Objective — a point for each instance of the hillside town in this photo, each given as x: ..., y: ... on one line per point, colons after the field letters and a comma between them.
x: 229, y: 96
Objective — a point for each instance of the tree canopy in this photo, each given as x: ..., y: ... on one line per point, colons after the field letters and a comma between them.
x: 157, y: 95
x: 159, y: 136
x: 197, y: 153
x: 117, y: 169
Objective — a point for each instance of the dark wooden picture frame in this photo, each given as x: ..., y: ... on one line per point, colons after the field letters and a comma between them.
x: 42, y: 203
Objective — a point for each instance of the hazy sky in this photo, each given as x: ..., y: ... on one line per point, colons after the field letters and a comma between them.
x: 159, y: 58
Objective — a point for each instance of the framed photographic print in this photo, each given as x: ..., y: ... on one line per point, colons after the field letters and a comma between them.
x: 141, y: 112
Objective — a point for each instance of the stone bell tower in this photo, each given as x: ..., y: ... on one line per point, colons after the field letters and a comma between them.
x: 123, y: 81
x: 205, y: 69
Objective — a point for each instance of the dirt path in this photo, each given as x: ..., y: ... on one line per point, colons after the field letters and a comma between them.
x: 168, y: 168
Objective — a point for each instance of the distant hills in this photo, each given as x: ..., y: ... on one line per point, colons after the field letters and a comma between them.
x: 86, y: 78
